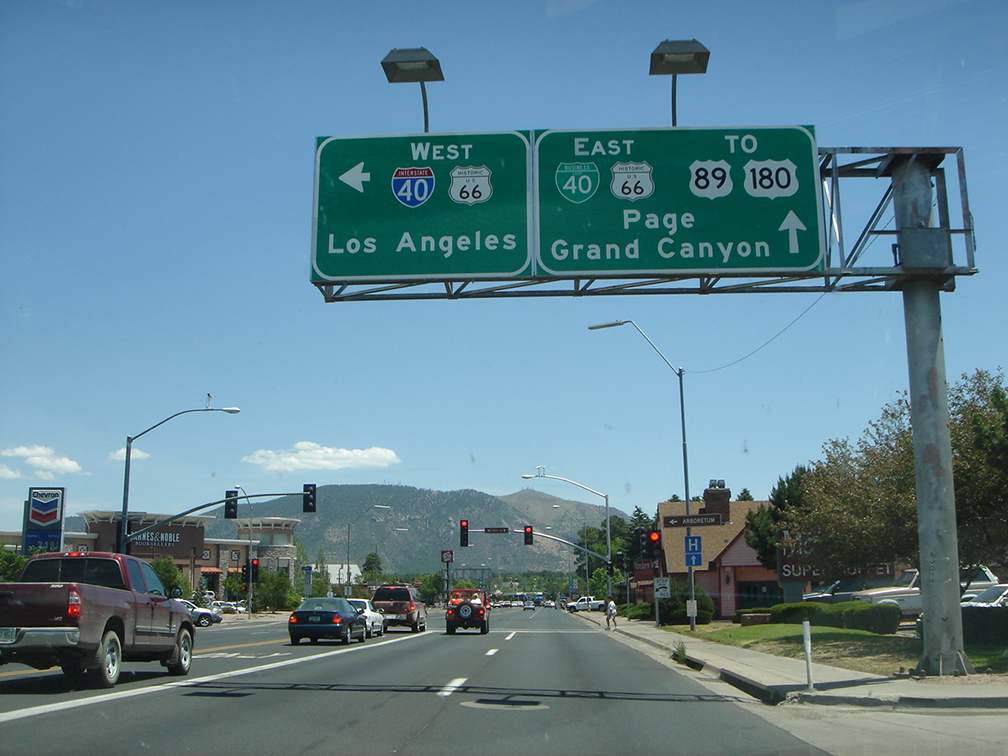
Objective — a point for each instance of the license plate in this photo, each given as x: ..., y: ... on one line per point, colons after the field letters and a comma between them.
x: 313, y: 619
x: 401, y: 617
x: 8, y: 634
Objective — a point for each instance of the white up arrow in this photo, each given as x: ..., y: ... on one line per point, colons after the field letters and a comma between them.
x: 792, y: 225
x: 356, y: 177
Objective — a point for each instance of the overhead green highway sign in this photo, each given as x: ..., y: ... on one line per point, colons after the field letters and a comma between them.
x: 425, y: 207
x: 660, y: 201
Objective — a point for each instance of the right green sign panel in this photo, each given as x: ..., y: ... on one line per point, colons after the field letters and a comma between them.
x: 614, y: 202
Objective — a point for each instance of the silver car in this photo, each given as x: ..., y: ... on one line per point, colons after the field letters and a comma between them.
x: 376, y: 622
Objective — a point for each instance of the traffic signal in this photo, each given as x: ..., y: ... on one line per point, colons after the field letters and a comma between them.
x: 245, y: 573
x: 654, y: 543
x: 639, y: 537
x: 230, y: 505
x: 255, y: 570
x: 308, y: 498
x: 528, y: 535
x: 463, y: 533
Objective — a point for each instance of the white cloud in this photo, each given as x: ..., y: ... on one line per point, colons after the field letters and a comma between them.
x: 7, y: 474
x: 44, y: 460
x: 307, y: 455
x: 120, y: 456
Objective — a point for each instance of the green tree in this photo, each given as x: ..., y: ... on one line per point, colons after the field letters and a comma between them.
x: 170, y: 574
x: 274, y: 592
x: 744, y: 495
x: 431, y: 587
x: 860, y: 500
x: 765, y: 522
x: 372, y: 567
x: 11, y: 564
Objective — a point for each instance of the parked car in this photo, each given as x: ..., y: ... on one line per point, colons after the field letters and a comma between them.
x: 326, y: 618
x: 996, y: 595
x: 905, y: 592
x: 375, y: 621
x: 843, y: 590
x: 401, y: 606
x: 200, y: 616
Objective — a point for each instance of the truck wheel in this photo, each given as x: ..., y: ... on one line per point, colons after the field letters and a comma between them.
x: 181, y: 660
x: 450, y: 629
x: 109, y: 659
x: 485, y: 628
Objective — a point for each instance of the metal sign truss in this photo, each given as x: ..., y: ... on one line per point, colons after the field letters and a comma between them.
x: 864, y: 265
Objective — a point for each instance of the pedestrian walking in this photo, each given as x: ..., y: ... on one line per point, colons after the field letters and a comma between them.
x: 610, y: 614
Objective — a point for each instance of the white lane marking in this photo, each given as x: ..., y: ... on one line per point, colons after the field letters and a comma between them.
x: 510, y: 636
x: 11, y: 716
x: 491, y: 652
x: 451, y: 687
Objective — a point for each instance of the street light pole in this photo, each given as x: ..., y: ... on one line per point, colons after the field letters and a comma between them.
x: 349, y: 524
x: 541, y: 473
x: 685, y: 457
x: 123, y: 545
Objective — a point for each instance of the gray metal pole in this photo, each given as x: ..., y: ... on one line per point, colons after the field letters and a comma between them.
x: 936, y: 522
x: 685, y: 467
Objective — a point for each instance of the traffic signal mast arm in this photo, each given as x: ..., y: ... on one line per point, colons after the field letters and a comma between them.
x: 217, y: 503
x: 603, y: 557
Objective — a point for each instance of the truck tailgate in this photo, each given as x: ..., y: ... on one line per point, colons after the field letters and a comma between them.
x: 35, y: 605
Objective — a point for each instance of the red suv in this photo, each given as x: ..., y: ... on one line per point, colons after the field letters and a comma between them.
x: 401, y: 606
x: 467, y: 607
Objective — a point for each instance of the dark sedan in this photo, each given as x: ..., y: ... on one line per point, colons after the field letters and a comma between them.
x: 333, y: 618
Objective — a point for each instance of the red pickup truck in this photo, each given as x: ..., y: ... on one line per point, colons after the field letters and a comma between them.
x: 89, y: 612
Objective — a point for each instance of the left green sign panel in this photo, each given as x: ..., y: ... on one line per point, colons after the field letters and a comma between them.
x: 424, y: 206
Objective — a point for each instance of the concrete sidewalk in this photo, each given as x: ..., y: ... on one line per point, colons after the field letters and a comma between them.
x: 774, y: 679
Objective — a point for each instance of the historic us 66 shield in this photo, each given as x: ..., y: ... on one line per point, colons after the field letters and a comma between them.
x: 577, y: 182
x: 470, y: 184
x: 632, y: 181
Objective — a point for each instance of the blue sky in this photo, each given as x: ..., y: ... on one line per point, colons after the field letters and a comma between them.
x: 156, y: 179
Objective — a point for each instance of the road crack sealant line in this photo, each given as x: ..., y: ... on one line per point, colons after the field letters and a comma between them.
x: 34, y: 711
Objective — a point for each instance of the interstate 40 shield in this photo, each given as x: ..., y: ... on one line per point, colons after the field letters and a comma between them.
x: 655, y: 201
x: 426, y: 206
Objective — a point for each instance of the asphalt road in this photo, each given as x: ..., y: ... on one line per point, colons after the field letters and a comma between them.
x: 539, y: 683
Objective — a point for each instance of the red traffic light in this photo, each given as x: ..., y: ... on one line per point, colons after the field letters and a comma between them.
x: 528, y: 535
x: 654, y: 536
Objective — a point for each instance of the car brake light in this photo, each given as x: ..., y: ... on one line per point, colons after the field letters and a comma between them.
x: 337, y: 619
x: 73, y: 604
x: 292, y: 620
x: 412, y: 607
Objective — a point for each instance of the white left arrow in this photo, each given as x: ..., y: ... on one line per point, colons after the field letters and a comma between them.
x: 356, y: 177
x: 792, y: 225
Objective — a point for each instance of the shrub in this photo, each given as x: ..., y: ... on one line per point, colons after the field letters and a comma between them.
x: 795, y: 614
x: 672, y: 611
x: 855, y: 615
x: 643, y: 610
x: 883, y: 619
x: 985, y: 624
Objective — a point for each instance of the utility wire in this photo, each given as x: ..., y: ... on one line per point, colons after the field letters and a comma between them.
x: 765, y: 344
